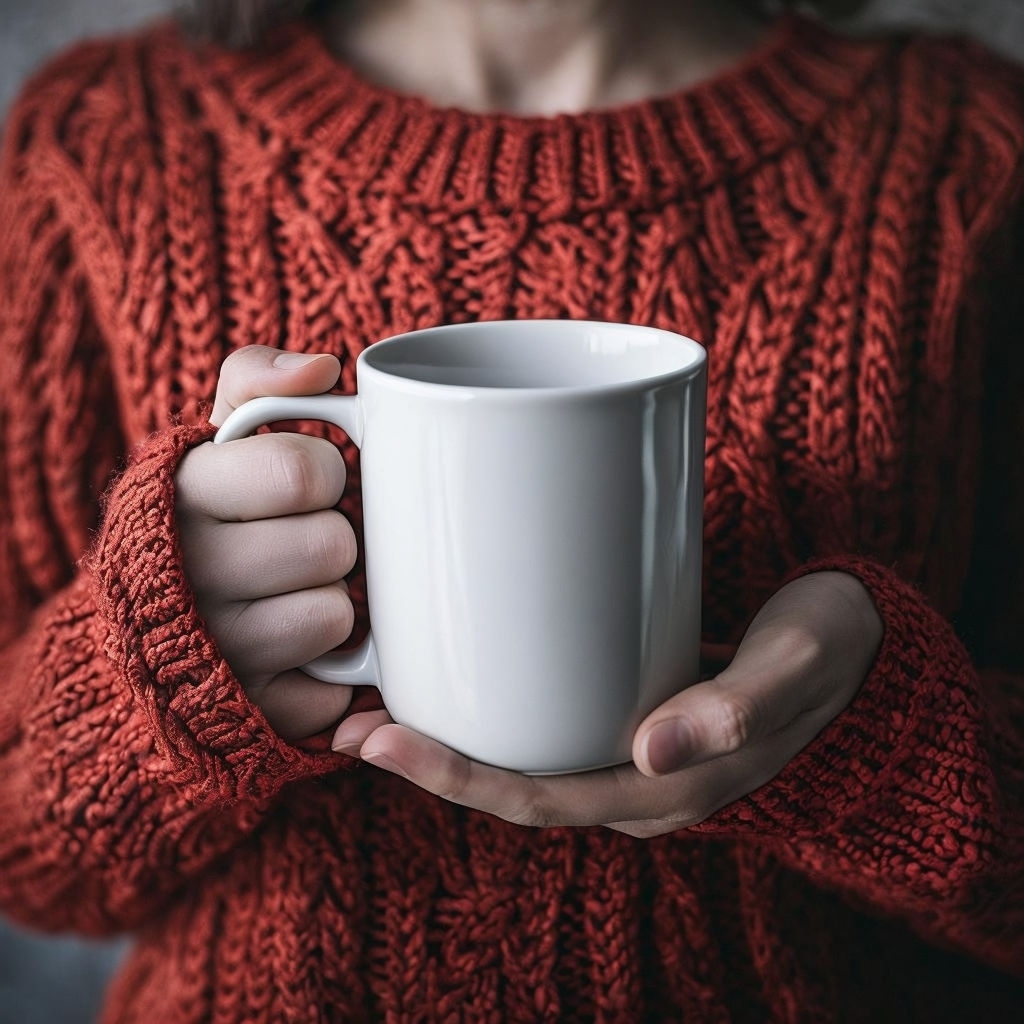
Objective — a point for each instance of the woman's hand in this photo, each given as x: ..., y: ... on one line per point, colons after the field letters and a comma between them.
x: 264, y: 548
x: 800, y: 663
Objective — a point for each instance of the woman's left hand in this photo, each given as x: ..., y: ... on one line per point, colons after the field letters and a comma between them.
x: 800, y: 663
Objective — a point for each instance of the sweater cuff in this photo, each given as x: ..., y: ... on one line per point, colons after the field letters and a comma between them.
x: 919, y: 698
x: 211, y: 740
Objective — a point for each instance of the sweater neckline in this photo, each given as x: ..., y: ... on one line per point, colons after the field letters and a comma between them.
x: 383, y: 141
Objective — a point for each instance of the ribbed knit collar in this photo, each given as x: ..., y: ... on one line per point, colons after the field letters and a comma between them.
x: 633, y: 155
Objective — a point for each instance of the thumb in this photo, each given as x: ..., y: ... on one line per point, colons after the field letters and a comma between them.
x: 765, y: 691
x: 800, y: 663
x: 257, y: 371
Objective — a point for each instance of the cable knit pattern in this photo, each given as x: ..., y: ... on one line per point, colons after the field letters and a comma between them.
x: 827, y: 218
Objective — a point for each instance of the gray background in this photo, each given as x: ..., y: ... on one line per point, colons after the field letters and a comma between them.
x: 32, y: 29
x: 59, y: 980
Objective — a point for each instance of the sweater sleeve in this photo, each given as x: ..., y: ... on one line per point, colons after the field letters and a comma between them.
x: 130, y: 756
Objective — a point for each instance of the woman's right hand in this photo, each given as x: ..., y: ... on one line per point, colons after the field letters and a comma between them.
x: 264, y: 548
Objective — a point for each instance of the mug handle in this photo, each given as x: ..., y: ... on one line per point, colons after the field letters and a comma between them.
x: 359, y: 666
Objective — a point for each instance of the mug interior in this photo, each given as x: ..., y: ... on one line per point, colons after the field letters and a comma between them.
x: 536, y: 354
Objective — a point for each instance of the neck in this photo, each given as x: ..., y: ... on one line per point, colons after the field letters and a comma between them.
x: 540, y: 57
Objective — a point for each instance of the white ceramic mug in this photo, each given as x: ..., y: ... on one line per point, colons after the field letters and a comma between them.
x: 532, y: 511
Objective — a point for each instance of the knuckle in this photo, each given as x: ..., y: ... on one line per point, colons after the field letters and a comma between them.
x: 455, y: 782
x: 331, y: 615
x: 529, y: 815
x: 235, y: 360
x: 800, y: 646
x: 332, y: 543
x: 235, y: 370
x: 313, y: 621
x: 295, y: 470
x: 737, y: 719
x: 528, y: 810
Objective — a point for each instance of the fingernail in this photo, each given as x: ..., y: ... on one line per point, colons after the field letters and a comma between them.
x: 385, y: 762
x: 669, y: 746
x: 350, y: 749
x: 293, y: 360
x: 348, y: 739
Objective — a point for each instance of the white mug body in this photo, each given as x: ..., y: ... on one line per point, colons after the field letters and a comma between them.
x: 532, y: 510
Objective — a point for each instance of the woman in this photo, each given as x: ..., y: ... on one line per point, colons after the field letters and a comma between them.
x: 829, y: 827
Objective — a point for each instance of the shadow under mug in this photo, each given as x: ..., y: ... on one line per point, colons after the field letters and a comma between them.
x: 532, y: 510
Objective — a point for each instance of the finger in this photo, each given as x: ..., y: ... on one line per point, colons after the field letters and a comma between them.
x: 777, y: 676
x: 260, y: 639
x: 590, y: 798
x: 247, y: 561
x: 713, y: 719
x: 256, y: 371
x: 260, y: 478
x: 621, y: 798
x: 296, y: 705
x: 354, y: 731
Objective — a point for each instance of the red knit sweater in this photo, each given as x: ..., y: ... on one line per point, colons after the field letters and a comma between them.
x: 829, y: 218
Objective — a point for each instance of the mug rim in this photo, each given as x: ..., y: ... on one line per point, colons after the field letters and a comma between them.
x: 693, y: 368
